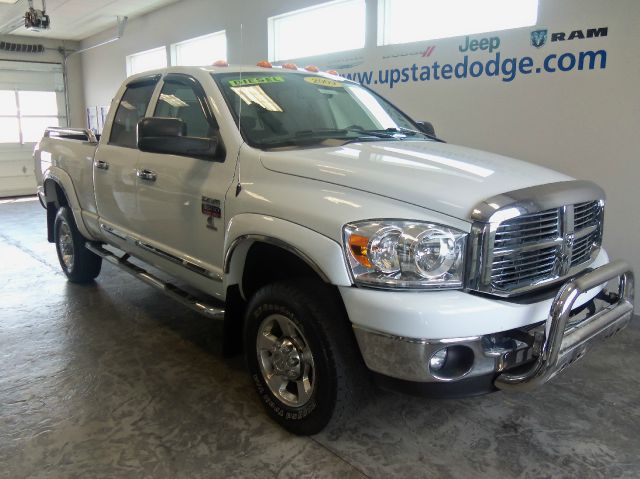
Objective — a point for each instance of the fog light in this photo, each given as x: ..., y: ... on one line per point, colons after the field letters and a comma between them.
x: 438, y: 359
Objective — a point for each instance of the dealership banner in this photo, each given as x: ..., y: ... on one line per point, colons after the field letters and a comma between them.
x: 483, y: 56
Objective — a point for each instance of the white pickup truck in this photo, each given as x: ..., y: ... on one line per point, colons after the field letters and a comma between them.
x: 338, y: 239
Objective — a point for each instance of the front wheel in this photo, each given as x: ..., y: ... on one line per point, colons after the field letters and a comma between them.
x: 302, y: 355
x: 78, y: 263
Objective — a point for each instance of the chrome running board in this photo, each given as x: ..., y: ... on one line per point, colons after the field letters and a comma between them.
x: 208, y: 310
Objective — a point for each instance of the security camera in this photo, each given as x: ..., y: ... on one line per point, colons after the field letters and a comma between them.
x: 36, y: 20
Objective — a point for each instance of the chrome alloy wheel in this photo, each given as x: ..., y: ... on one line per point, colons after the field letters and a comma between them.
x: 285, y: 360
x: 65, y: 245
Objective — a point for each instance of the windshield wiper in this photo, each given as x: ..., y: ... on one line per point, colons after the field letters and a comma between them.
x: 410, y: 132
x: 342, y: 131
x: 318, y: 135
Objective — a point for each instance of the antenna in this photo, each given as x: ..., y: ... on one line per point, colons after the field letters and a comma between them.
x: 239, y: 185
x: 241, y: 63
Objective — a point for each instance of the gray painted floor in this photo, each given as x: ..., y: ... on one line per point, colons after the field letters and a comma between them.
x: 115, y: 380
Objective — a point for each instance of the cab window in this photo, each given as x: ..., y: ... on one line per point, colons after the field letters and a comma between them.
x: 131, y: 109
x: 178, y: 100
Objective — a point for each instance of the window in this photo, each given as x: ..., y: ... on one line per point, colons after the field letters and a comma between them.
x: 403, y: 21
x: 180, y: 101
x: 201, y: 50
x: 131, y: 109
x: 289, y: 109
x: 329, y: 27
x: 24, y: 115
x: 144, y: 61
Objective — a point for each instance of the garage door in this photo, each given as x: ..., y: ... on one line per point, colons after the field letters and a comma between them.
x: 31, y: 98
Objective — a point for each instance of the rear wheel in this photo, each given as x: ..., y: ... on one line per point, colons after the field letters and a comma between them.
x: 78, y: 263
x: 302, y: 355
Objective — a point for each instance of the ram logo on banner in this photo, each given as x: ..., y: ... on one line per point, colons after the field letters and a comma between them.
x: 538, y: 38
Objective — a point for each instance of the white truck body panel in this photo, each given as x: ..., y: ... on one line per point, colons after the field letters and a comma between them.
x: 446, y: 178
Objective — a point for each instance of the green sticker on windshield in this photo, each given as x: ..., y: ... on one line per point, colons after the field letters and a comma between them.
x: 256, y: 81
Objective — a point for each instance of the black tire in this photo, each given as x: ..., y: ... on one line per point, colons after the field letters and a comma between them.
x: 337, y: 376
x: 78, y: 263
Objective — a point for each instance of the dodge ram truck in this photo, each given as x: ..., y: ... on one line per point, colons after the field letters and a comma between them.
x: 339, y: 240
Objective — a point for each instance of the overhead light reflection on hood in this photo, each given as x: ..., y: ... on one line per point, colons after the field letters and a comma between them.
x: 441, y: 160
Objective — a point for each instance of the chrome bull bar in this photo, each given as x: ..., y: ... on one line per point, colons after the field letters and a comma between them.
x: 561, y: 346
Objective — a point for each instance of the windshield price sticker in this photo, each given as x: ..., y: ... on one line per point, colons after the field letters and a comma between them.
x: 323, y: 82
x: 255, y: 81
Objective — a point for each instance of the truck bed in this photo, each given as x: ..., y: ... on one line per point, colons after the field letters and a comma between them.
x: 72, y: 150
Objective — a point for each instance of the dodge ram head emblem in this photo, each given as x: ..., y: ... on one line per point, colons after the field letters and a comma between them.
x: 538, y: 38
x: 563, y: 258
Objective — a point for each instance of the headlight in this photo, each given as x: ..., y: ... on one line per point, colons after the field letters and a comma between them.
x: 405, y: 254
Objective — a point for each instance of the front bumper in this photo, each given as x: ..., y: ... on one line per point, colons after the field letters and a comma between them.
x: 518, y: 358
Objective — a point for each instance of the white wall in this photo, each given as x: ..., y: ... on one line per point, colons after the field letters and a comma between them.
x: 584, y: 123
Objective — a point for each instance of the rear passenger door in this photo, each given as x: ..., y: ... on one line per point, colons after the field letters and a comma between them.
x: 181, y: 198
x: 114, y: 164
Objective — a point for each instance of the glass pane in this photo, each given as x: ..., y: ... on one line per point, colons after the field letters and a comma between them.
x: 180, y: 101
x: 149, y: 60
x: 8, y: 103
x: 290, y: 108
x: 415, y: 20
x: 38, y: 103
x: 132, y: 107
x: 202, y: 51
x: 33, y: 128
x: 9, y: 131
x: 328, y: 28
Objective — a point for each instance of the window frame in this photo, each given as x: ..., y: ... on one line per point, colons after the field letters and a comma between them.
x: 130, y: 57
x: 218, y: 78
x: 19, y: 116
x: 174, y: 47
x: 382, y: 28
x: 139, y: 82
x: 271, y: 29
x: 203, y: 98
x: 191, y: 82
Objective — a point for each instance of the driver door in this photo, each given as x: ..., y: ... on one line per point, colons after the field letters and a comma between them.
x: 181, y: 198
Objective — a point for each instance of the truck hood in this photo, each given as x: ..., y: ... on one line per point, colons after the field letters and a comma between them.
x: 445, y: 178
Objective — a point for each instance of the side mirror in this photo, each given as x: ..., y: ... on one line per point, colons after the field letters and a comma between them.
x: 168, y: 135
x: 426, y: 127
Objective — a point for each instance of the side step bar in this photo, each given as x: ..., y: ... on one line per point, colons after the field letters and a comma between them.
x: 169, y: 289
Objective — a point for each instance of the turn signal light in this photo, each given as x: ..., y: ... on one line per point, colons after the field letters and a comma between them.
x: 290, y: 66
x: 220, y: 63
x: 312, y: 68
x: 359, y: 247
x: 332, y: 72
x: 264, y: 64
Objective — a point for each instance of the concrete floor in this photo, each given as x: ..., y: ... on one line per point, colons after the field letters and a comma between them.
x: 114, y: 380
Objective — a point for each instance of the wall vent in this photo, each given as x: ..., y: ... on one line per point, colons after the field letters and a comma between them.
x: 21, y: 47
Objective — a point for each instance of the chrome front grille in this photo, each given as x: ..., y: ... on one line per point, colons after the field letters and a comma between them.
x: 583, y: 247
x: 510, y: 271
x: 527, y: 229
x: 585, y: 214
x: 524, y: 249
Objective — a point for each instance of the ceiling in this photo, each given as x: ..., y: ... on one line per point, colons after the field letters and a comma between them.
x: 74, y: 19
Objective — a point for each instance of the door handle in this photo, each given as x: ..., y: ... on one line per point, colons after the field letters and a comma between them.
x: 146, y: 175
x: 103, y: 165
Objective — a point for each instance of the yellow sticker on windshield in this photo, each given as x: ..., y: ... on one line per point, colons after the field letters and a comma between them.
x: 255, y: 81
x: 323, y: 82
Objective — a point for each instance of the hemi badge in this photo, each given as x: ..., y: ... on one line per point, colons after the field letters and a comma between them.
x: 211, y: 207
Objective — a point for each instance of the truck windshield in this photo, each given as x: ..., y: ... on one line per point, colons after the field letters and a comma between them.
x: 279, y: 108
